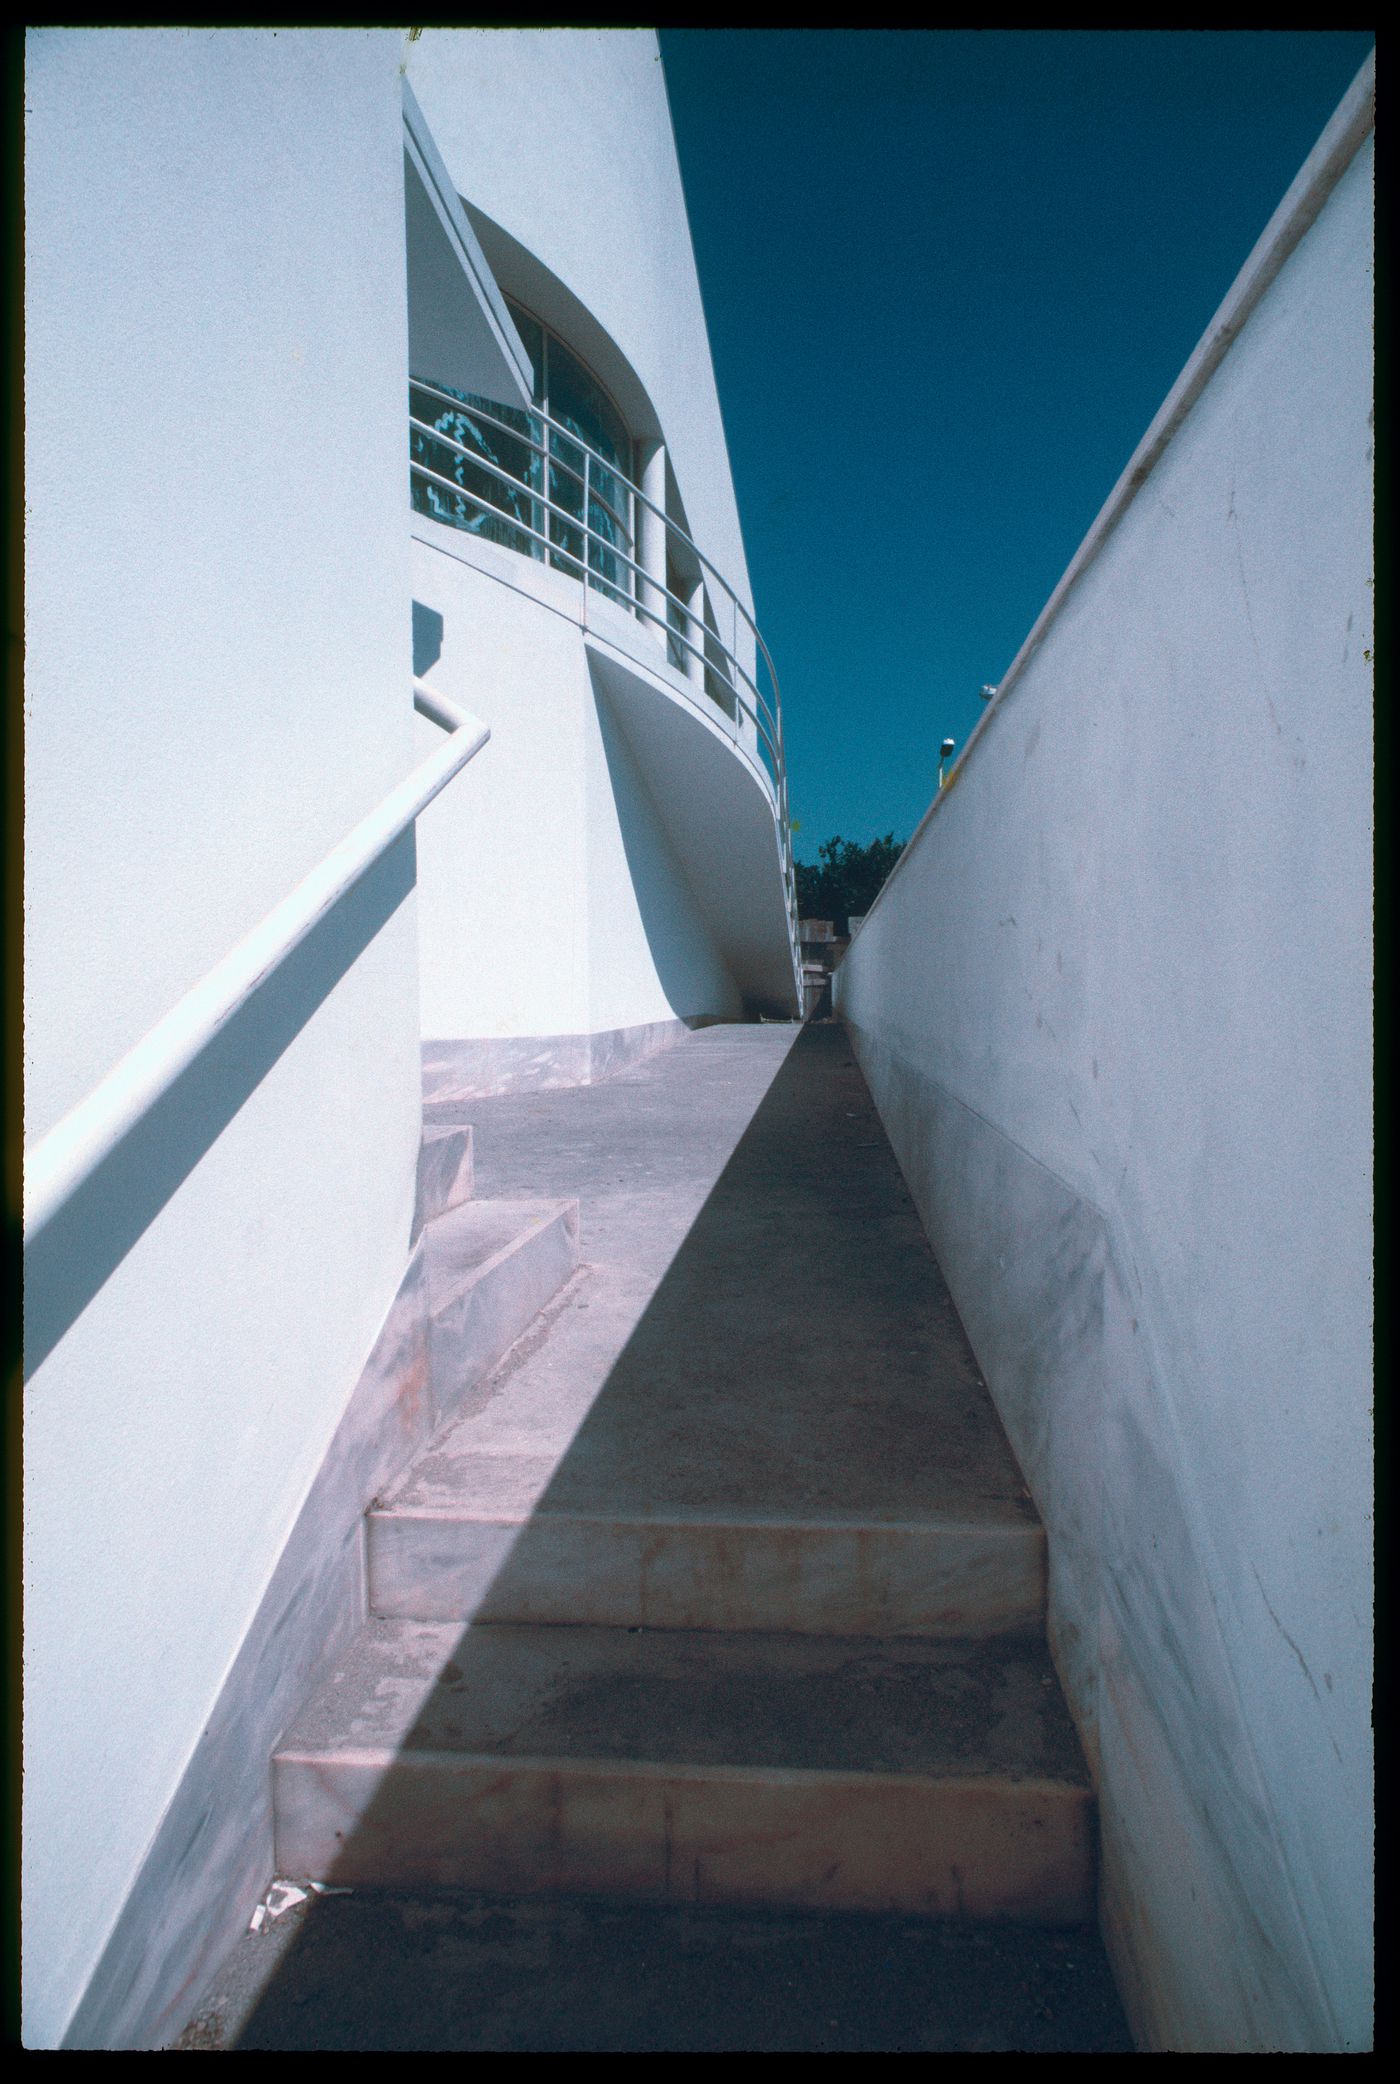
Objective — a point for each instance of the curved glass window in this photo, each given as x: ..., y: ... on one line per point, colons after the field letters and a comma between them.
x: 488, y: 491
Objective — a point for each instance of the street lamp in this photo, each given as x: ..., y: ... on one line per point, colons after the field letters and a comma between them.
x: 945, y: 752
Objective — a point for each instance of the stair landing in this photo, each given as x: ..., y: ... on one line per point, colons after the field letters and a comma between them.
x: 723, y: 1587
x: 759, y: 1411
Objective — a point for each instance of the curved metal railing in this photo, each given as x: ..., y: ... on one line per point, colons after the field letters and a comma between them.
x: 570, y: 541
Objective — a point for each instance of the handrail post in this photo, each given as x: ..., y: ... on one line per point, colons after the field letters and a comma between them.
x: 587, y: 487
x: 695, y: 630
x: 651, y: 539
x: 539, y: 507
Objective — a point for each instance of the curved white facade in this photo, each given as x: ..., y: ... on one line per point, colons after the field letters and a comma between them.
x: 221, y: 562
x: 614, y: 925
x: 563, y: 141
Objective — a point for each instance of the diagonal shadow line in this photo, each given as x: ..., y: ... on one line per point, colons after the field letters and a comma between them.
x: 84, y: 1244
x: 747, y: 1307
x: 665, y: 900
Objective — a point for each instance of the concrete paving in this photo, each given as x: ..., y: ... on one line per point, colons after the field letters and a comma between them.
x: 414, y: 1971
x: 805, y: 1270
x: 758, y: 1410
x: 749, y: 1438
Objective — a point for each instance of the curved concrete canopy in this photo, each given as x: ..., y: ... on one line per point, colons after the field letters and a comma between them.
x: 459, y: 330
x: 715, y: 803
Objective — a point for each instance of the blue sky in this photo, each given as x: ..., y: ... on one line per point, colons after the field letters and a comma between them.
x: 949, y: 277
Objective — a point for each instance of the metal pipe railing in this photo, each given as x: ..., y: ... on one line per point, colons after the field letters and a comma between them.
x: 72, y: 1151
x: 527, y: 441
x: 673, y: 528
x: 595, y: 544
x: 570, y: 520
x: 765, y: 731
x: 601, y: 557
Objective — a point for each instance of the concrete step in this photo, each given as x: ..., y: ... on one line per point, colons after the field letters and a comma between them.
x: 759, y: 1411
x: 491, y: 1267
x: 930, y: 1778
x: 477, y: 1538
x: 446, y: 1171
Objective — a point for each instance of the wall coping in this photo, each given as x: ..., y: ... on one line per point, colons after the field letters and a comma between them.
x: 1346, y: 132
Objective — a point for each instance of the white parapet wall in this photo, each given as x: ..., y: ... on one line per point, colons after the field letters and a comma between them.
x: 1114, y: 1007
x: 218, y: 669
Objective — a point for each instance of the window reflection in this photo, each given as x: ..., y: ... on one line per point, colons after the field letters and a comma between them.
x: 488, y: 491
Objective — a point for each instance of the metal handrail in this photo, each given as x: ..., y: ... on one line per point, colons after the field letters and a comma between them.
x: 582, y: 477
x: 526, y: 441
x: 672, y: 527
x: 72, y: 1151
x: 767, y: 737
x: 766, y: 719
x: 538, y: 496
x: 765, y: 724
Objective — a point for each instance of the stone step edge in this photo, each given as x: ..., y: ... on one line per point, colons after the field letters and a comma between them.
x: 923, y: 1844
x: 585, y: 1765
x: 446, y: 1176
x: 545, y: 1214
x: 828, y: 1578
x: 478, y: 1313
x: 467, y: 1515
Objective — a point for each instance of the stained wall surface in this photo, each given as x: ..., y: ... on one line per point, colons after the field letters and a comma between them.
x: 1114, y: 1007
x: 218, y: 662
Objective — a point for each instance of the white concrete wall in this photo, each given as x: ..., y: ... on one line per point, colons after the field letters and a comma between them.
x: 563, y: 138
x: 535, y: 922
x: 217, y: 660
x: 1114, y: 1007
x: 551, y: 902
x: 560, y: 143
x: 645, y: 922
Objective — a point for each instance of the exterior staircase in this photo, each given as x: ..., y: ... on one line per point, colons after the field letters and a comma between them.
x: 724, y: 1587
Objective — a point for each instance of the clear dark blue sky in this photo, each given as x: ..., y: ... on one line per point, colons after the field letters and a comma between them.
x: 949, y: 277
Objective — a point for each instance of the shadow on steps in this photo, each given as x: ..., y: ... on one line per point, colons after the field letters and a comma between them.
x: 412, y: 1971
x: 801, y: 1362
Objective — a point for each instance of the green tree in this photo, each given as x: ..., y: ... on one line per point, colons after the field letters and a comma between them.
x: 845, y: 878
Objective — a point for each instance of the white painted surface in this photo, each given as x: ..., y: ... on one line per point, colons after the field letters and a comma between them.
x: 218, y: 661
x: 563, y: 139
x: 1115, y: 1009
x: 218, y: 665
x: 533, y: 921
x: 63, y: 1161
x: 458, y: 324
x: 170, y: 607
x: 550, y: 903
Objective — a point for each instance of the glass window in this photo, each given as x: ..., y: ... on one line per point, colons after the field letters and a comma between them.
x: 679, y: 631
x: 532, y: 339
x: 481, y: 480
x: 575, y: 400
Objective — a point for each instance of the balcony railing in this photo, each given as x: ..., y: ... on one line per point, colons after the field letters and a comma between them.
x: 565, y: 503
